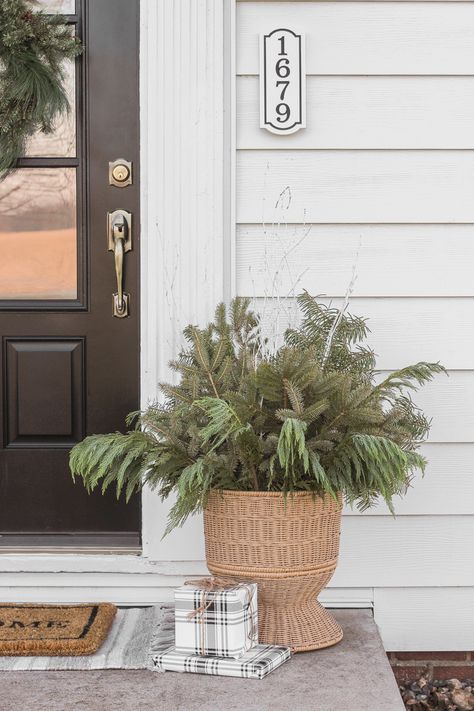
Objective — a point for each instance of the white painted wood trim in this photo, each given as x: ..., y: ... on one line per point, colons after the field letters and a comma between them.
x: 99, y: 564
x: 230, y: 145
x: 132, y: 589
x: 182, y: 154
x: 185, y: 175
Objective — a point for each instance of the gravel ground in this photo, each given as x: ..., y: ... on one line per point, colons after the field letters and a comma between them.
x: 450, y: 695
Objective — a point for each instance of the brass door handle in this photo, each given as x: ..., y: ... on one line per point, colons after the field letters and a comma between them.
x: 119, y: 231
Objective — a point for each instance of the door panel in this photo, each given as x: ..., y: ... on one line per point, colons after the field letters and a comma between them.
x: 59, y: 392
x: 69, y: 367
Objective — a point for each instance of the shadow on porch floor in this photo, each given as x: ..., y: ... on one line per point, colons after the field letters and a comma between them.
x: 353, y: 676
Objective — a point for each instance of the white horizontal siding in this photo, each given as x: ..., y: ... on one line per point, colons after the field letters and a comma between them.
x: 403, y: 330
x: 356, y: 186
x: 376, y: 551
x: 447, y: 487
x: 365, y: 37
x: 449, y: 401
x: 388, y: 260
x: 406, y: 551
x: 368, y: 112
x: 379, y: 187
x: 425, y: 619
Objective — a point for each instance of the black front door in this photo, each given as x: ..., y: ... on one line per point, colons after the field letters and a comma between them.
x: 70, y: 367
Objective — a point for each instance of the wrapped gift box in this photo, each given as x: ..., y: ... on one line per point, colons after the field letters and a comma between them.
x: 222, y: 622
x: 254, y: 664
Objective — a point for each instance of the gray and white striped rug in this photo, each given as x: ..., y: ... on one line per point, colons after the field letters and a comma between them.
x: 136, y: 634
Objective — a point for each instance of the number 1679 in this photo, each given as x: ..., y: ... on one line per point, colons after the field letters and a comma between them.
x: 282, y: 82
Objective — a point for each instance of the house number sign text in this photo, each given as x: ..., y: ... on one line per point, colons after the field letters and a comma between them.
x: 282, y: 82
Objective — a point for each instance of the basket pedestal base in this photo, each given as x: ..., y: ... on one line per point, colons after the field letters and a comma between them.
x: 289, y: 613
x: 284, y: 625
x: 289, y: 547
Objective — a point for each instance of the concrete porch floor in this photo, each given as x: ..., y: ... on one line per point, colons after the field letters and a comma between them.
x: 352, y: 676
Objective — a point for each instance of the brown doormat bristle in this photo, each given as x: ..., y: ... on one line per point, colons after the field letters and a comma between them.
x: 53, y: 630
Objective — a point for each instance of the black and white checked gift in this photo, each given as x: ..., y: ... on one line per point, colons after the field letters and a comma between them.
x: 218, y: 622
x: 254, y: 664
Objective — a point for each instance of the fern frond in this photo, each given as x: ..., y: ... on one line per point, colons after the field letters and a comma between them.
x: 410, y: 377
x: 292, y: 447
x: 223, y: 421
x: 191, y: 494
x: 111, y: 459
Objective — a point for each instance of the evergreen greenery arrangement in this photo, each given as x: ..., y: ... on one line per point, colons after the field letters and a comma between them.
x: 33, y: 47
x: 314, y: 415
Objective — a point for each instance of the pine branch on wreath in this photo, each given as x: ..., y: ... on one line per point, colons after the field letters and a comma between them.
x: 33, y: 48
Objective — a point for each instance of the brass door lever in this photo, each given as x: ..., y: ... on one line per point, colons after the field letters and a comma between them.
x: 119, y: 231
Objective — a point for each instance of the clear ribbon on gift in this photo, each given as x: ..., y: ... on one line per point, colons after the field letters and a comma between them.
x: 215, y: 583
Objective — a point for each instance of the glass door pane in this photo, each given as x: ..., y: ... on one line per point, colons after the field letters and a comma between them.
x: 65, y: 7
x: 62, y: 141
x: 38, y: 234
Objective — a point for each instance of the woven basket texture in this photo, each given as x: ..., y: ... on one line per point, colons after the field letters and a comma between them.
x: 290, y: 548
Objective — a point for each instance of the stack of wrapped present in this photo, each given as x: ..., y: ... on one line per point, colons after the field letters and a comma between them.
x: 216, y: 632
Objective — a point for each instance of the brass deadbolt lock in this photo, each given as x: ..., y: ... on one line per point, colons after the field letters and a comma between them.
x: 120, y: 173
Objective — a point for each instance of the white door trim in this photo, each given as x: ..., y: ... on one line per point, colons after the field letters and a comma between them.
x: 186, y: 173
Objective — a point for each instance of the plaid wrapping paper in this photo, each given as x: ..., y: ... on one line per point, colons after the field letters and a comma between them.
x: 254, y: 664
x: 228, y: 625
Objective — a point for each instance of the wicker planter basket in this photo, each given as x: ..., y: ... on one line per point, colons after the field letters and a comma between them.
x: 289, y: 549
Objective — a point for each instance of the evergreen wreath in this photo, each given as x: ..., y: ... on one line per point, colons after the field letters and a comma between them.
x: 33, y: 46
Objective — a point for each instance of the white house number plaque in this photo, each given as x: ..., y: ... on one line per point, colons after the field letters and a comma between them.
x: 282, y: 82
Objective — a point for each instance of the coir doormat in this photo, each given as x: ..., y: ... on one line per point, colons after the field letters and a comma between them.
x: 53, y: 630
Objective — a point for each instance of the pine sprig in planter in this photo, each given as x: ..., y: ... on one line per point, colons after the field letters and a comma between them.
x: 33, y: 47
x: 314, y: 416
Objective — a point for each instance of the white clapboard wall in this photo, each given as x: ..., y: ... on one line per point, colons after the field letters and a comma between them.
x: 378, y: 192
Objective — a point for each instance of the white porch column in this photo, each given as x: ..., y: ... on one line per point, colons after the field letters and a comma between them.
x: 184, y: 166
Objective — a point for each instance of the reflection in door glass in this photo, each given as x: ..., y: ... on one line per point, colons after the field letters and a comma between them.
x: 62, y: 142
x: 38, y: 234
x: 66, y: 7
